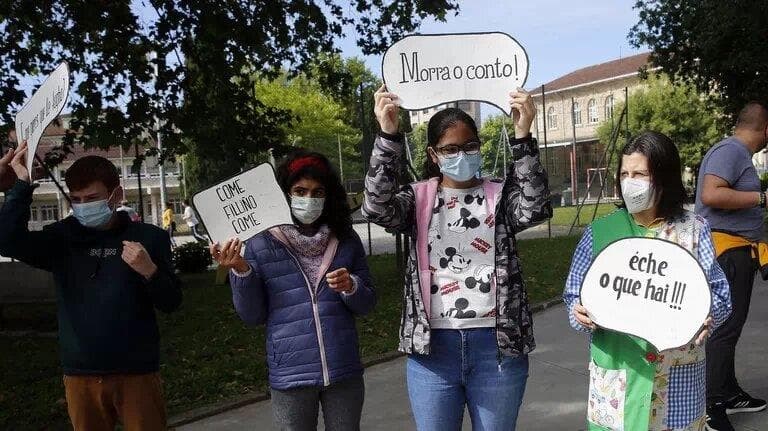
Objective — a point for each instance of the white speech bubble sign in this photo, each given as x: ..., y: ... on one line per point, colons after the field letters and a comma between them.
x: 41, y: 109
x: 429, y: 70
x: 650, y: 288
x: 243, y: 206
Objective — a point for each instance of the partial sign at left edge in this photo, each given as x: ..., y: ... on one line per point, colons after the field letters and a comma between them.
x: 41, y: 109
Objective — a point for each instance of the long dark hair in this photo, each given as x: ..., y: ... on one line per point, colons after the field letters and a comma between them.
x: 302, y: 164
x: 438, y: 124
x: 665, y: 170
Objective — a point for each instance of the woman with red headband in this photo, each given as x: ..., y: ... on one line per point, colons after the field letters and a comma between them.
x: 307, y: 282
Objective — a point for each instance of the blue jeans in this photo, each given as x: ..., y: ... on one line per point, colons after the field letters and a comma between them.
x: 463, y: 369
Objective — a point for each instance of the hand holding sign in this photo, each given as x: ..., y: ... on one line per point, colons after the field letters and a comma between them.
x: 229, y: 256
x: 386, y: 110
x: 704, y: 334
x: 523, y: 112
x: 427, y: 70
x: 650, y: 288
x: 7, y: 175
x: 18, y: 162
x: 581, y: 314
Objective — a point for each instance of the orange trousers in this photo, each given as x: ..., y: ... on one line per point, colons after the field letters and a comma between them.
x: 98, y: 403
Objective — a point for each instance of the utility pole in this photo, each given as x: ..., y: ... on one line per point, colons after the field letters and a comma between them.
x: 341, y: 160
x: 546, y: 149
x: 574, y: 165
x: 138, y: 180
x: 163, y: 194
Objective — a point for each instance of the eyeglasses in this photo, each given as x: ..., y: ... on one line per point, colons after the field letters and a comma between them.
x: 450, y: 151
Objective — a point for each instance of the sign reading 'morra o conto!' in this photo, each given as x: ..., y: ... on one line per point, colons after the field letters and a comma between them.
x: 651, y: 288
x: 41, y: 109
x: 243, y: 206
x: 429, y: 70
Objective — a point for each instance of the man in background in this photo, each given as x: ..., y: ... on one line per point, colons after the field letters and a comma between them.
x: 730, y: 198
x: 191, y: 219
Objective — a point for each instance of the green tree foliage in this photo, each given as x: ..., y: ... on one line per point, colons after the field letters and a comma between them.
x: 319, y: 119
x: 417, y: 141
x: 678, y: 111
x: 491, y: 140
x: 207, y: 54
x: 344, y: 79
x: 721, y: 47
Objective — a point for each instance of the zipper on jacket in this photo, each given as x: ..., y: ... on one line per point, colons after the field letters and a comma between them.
x: 318, y: 329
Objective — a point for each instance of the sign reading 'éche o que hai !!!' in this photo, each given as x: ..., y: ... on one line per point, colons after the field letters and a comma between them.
x: 429, y: 70
x: 650, y: 288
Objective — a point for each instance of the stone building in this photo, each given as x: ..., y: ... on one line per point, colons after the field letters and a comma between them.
x: 575, y: 104
x: 423, y: 115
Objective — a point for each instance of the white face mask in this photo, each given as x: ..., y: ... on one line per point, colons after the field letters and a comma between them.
x: 638, y: 194
x: 307, y: 210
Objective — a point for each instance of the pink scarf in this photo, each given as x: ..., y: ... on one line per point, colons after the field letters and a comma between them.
x: 309, y: 249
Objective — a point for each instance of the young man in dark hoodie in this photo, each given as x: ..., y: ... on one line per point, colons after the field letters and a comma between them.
x: 110, y: 276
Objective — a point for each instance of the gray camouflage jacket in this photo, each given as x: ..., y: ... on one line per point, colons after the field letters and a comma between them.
x: 524, y: 202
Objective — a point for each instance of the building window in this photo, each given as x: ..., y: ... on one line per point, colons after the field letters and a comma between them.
x: 34, y: 216
x: 414, y: 113
x: 609, y: 107
x: 592, y: 111
x: 49, y: 213
x: 539, y: 119
x: 551, y: 118
x: 576, y: 113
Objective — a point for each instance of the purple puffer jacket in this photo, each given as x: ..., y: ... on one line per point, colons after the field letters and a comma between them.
x: 311, y: 333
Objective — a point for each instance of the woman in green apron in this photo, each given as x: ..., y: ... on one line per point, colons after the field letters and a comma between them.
x: 632, y: 386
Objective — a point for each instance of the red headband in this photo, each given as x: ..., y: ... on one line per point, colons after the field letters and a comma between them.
x: 306, y: 161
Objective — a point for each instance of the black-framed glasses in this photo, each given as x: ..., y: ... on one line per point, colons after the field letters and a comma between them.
x: 452, y: 150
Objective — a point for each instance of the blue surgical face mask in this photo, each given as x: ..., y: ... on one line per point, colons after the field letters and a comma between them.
x: 93, y: 214
x: 460, y: 168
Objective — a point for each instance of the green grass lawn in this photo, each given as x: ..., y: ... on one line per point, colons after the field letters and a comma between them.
x: 563, y: 216
x: 208, y: 354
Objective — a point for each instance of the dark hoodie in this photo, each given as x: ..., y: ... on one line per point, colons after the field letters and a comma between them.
x: 106, y: 311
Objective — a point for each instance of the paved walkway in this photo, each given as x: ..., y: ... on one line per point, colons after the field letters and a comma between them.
x: 384, y: 243
x: 555, y: 398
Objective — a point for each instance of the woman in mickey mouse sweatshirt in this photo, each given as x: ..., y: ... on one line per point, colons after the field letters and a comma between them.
x: 466, y: 323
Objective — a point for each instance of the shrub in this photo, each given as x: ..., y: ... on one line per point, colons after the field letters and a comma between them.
x: 192, y: 257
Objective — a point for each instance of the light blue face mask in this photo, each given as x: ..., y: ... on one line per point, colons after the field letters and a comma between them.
x: 462, y: 167
x: 307, y: 210
x: 93, y: 214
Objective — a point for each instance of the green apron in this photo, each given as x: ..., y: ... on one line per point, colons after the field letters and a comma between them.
x: 616, y: 351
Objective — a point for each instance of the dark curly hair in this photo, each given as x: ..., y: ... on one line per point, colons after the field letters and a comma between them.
x: 438, y: 124
x: 664, y: 168
x: 336, y: 212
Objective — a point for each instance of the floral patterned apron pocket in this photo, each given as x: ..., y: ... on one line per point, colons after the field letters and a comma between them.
x: 607, y: 393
